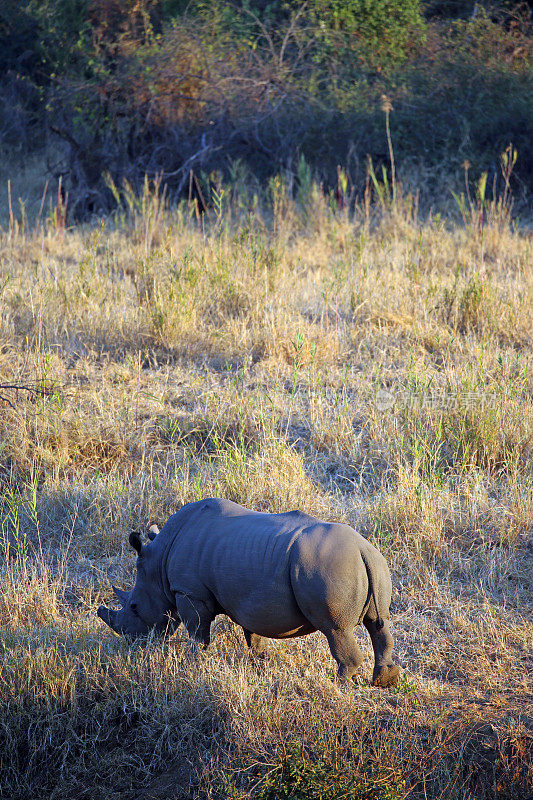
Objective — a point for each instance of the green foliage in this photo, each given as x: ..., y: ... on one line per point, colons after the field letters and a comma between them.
x: 378, y: 33
x: 44, y: 37
x: 313, y: 773
x: 150, y: 87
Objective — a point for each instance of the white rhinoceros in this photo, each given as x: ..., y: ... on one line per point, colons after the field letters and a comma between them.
x: 276, y: 575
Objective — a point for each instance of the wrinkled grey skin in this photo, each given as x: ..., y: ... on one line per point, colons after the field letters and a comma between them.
x: 276, y: 575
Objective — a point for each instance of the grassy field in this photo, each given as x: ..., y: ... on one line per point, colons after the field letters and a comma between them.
x: 369, y: 368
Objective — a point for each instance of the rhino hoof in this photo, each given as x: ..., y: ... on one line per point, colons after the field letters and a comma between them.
x: 387, y: 676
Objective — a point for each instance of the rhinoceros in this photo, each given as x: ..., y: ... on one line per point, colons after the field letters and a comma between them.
x: 275, y: 575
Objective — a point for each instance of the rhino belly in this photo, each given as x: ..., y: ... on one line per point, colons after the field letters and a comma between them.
x: 303, y: 630
x: 274, y: 615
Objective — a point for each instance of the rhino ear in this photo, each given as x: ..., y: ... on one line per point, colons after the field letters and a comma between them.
x: 135, y: 541
x: 122, y: 595
x: 152, y: 533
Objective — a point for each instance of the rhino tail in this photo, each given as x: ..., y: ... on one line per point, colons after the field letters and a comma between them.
x: 372, y: 592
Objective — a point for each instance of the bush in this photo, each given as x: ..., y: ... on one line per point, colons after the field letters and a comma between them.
x: 149, y: 88
x: 374, y: 33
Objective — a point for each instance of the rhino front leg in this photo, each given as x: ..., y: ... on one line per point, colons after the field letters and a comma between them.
x: 196, y: 616
x: 346, y: 653
x: 255, y: 642
x: 386, y: 672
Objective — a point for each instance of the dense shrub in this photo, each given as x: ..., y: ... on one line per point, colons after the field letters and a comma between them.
x: 377, y: 33
x: 157, y: 87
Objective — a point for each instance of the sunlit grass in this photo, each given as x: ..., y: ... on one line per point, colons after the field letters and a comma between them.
x: 245, y: 361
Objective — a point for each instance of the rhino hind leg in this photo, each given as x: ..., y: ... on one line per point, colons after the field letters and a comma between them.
x: 255, y: 642
x: 345, y: 651
x: 386, y: 673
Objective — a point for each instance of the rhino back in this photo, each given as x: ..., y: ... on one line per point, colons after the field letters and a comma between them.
x: 242, y: 559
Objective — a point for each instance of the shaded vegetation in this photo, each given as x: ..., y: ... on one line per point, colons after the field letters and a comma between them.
x: 206, y: 92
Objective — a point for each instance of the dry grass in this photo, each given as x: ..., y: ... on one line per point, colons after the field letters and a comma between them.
x: 245, y: 363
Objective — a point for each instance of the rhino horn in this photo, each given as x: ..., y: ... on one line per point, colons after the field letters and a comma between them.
x: 152, y: 533
x: 108, y: 616
x: 135, y: 542
x: 122, y: 595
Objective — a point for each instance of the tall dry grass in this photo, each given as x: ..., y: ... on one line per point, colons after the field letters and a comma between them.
x: 170, y: 360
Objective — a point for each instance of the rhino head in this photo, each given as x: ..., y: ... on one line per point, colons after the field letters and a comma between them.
x: 146, y: 607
